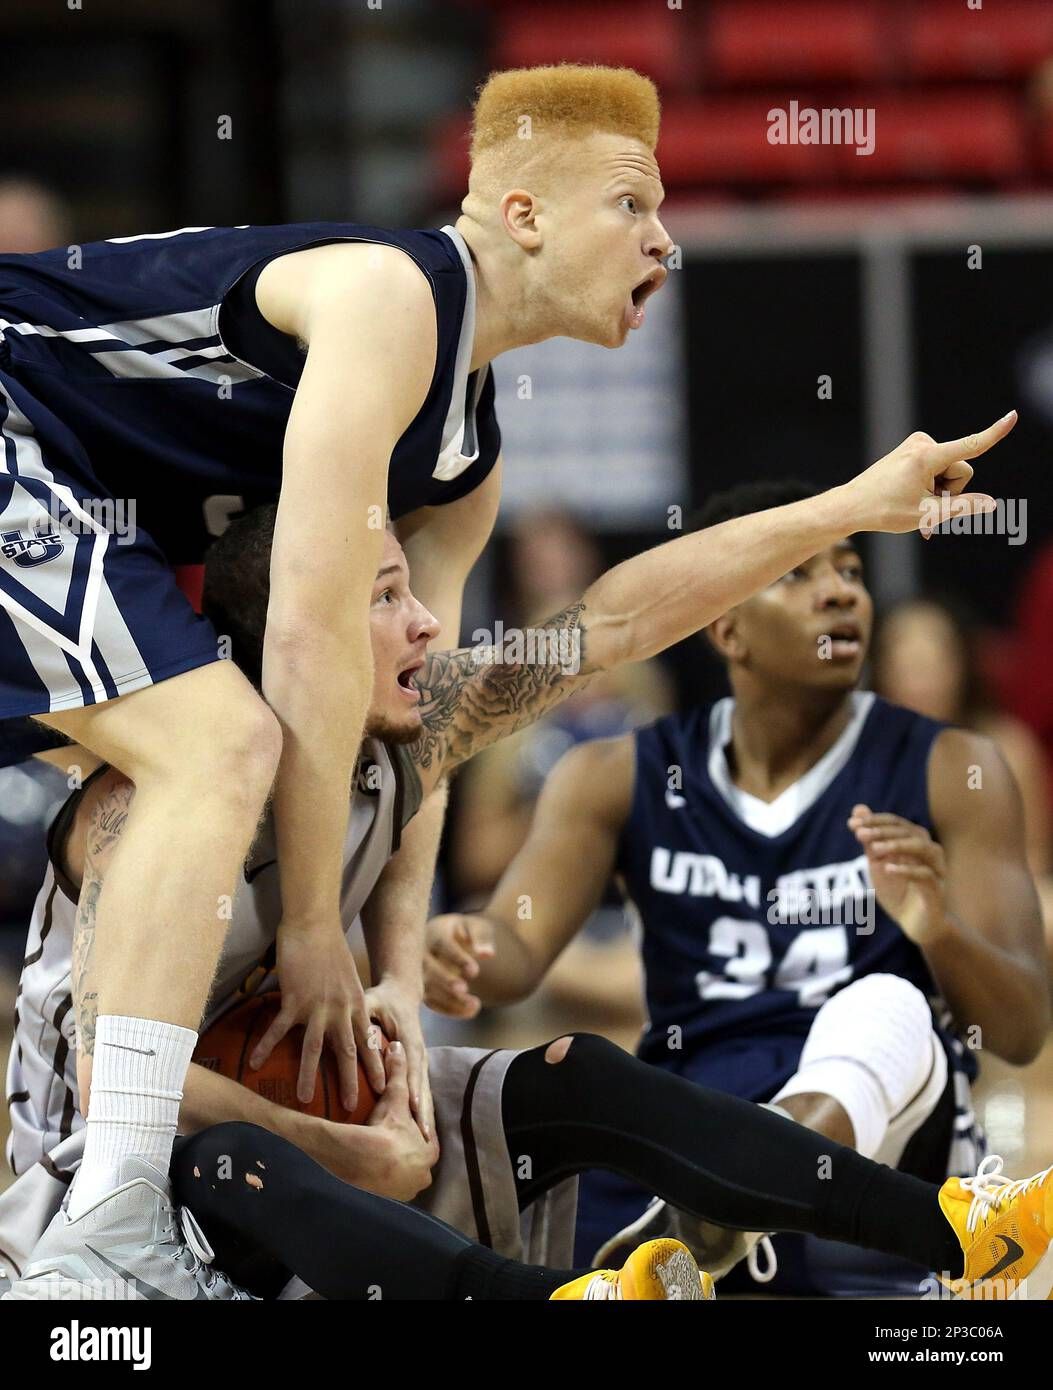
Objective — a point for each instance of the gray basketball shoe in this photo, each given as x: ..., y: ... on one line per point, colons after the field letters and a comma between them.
x: 132, y: 1244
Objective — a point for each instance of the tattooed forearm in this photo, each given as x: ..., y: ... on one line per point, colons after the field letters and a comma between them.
x: 107, y: 821
x: 472, y: 697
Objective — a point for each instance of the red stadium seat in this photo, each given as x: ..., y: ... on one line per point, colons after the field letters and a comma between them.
x: 1044, y: 148
x: 725, y: 140
x: 1008, y: 38
x: 651, y: 38
x: 771, y: 41
x: 969, y: 135
x: 857, y: 194
x: 191, y: 580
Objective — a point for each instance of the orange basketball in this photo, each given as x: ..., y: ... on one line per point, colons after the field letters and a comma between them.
x: 227, y: 1046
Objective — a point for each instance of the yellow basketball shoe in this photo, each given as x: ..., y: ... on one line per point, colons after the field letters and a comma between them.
x: 1005, y: 1229
x: 661, y: 1269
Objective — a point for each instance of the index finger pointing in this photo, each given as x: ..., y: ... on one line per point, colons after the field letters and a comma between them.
x: 973, y: 445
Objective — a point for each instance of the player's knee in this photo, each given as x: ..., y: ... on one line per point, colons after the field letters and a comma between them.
x: 236, y: 759
x: 205, y: 730
x: 881, y: 1003
x: 225, y: 1148
x: 872, y: 1048
x: 582, y: 1051
x: 256, y: 743
x: 882, y: 1021
x: 556, y: 1051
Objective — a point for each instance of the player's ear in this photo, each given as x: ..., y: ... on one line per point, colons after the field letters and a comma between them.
x: 725, y: 637
x: 519, y: 210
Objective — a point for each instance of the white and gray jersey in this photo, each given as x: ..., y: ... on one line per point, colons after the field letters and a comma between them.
x: 473, y: 1185
x: 41, y: 1077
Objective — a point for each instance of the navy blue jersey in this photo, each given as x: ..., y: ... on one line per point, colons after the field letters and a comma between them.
x: 151, y: 352
x: 139, y: 373
x: 755, y: 913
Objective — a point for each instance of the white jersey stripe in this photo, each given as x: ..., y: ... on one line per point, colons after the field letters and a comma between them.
x: 143, y: 366
x: 30, y: 463
x: 451, y: 461
x: 114, y: 639
x: 166, y: 328
x: 117, y: 346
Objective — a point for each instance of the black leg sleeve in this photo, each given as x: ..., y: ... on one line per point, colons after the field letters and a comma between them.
x: 269, y: 1211
x: 720, y: 1158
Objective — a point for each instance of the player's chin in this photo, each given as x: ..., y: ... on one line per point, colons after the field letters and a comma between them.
x: 397, y: 725
x: 620, y: 331
x: 839, y: 673
x: 610, y: 331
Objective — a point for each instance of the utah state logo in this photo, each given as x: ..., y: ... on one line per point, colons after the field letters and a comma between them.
x: 36, y: 549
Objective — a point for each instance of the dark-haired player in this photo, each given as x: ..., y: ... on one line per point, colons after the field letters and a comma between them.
x: 833, y: 890
x: 494, y: 1109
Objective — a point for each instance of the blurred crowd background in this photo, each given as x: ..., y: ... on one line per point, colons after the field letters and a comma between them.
x: 823, y: 305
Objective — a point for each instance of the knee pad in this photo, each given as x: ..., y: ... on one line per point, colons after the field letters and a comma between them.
x: 872, y: 1049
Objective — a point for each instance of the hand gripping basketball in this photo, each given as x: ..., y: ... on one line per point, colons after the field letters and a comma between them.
x: 226, y: 1047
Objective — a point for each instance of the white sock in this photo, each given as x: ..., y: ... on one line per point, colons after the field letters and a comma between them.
x: 136, y: 1086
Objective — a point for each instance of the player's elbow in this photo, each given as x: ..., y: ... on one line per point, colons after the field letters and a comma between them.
x: 613, y: 638
x: 1022, y: 1051
x: 519, y: 975
x: 1033, y: 1024
x: 1034, y: 1039
x: 511, y: 988
x: 299, y: 642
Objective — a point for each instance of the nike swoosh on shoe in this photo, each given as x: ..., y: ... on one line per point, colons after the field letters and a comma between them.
x: 141, y: 1285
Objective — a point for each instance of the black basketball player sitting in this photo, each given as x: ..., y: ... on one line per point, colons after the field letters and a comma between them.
x: 836, y: 903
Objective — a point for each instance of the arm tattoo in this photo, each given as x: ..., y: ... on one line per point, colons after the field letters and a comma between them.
x: 475, y: 696
x: 85, y: 999
x: 107, y: 822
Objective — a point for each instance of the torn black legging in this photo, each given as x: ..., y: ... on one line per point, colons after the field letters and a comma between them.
x: 269, y: 1211
x: 723, y: 1159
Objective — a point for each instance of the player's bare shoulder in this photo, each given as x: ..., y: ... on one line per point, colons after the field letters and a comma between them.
x: 970, y: 781
x: 596, y: 779
x: 365, y: 277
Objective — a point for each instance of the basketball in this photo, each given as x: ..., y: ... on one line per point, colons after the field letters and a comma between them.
x: 227, y: 1046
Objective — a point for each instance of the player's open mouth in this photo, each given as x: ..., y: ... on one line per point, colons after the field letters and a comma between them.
x: 642, y: 292
x: 845, y: 641
x: 407, y: 686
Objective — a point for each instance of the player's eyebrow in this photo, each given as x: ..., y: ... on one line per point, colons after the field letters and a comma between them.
x: 388, y: 569
x: 642, y: 182
x: 630, y: 168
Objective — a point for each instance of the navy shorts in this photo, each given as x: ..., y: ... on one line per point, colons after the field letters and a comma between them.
x: 89, y: 606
